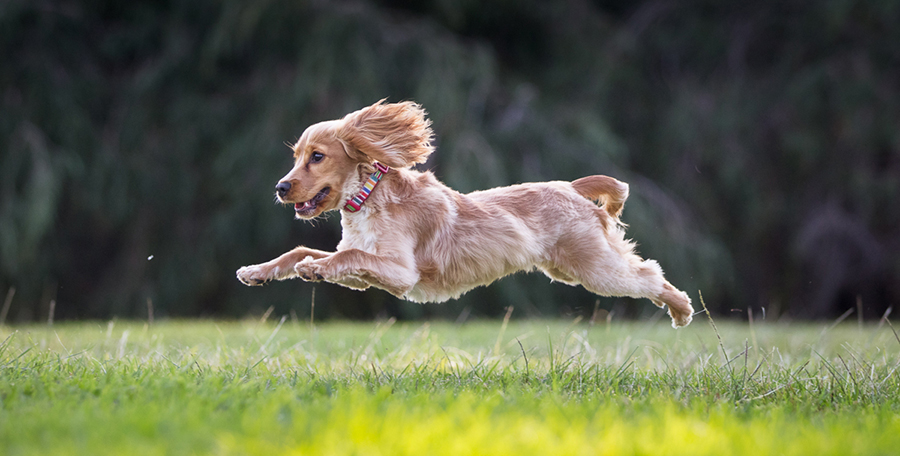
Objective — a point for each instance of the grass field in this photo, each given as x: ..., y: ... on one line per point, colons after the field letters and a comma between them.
x: 529, y: 387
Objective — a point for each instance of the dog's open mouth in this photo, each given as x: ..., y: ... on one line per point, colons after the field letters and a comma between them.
x: 309, y: 207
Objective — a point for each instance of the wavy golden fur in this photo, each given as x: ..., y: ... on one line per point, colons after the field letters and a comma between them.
x: 422, y: 241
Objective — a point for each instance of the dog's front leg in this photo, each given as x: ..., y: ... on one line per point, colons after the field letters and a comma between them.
x: 280, y: 268
x: 355, y: 267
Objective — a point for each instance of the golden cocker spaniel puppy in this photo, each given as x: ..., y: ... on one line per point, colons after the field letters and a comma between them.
x: 409, y: 234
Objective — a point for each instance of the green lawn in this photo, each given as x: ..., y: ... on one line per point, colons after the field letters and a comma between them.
x: 532, y: 387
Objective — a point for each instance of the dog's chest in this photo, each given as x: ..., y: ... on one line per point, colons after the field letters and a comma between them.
x: 359, y: 232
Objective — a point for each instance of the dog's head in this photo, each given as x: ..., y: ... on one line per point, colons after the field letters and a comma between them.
x: 332, y: 158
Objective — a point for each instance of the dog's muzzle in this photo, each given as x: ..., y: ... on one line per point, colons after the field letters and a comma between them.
x: 282, y: 188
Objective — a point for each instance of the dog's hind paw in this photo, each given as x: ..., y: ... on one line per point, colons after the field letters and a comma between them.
x: 680, y: 319
x: 681, y: 313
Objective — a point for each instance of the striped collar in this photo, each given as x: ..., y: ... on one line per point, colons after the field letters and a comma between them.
x: 353, y: 204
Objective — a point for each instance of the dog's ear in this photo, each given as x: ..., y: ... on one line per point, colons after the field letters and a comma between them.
x: 396, y: 134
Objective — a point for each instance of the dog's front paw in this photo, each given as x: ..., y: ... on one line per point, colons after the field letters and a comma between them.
x: 257, y: 274
x: 308, y: 270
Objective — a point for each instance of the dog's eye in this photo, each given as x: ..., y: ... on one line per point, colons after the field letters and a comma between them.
x: 316, y: 157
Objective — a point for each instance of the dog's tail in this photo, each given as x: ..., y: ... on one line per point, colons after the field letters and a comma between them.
x: 611, y: 192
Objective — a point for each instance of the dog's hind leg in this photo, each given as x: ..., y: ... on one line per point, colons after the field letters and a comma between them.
x: 609, y: 267
x: 662, y: 293
x: 678, y: 302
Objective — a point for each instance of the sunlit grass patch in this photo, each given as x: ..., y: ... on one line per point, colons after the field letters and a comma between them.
x: 537, y: 387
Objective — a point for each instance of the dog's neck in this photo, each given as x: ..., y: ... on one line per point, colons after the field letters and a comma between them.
x: 355, y: 203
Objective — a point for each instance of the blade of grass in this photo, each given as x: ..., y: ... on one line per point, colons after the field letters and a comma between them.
x: 713, y: 323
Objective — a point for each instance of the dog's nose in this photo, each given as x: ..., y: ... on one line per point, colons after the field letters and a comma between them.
x: 282, y: 188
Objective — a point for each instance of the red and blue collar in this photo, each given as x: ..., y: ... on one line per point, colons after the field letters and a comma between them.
x: 353, y: 204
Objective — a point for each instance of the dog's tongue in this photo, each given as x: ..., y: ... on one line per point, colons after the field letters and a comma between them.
x: 302, y: 206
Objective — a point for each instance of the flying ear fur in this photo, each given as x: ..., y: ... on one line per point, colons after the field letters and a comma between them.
x: 396, y: 134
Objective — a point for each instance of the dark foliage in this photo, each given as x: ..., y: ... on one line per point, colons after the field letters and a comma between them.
x: 140, y: 142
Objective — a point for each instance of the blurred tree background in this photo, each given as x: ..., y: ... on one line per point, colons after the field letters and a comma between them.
x: 140, y: 143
